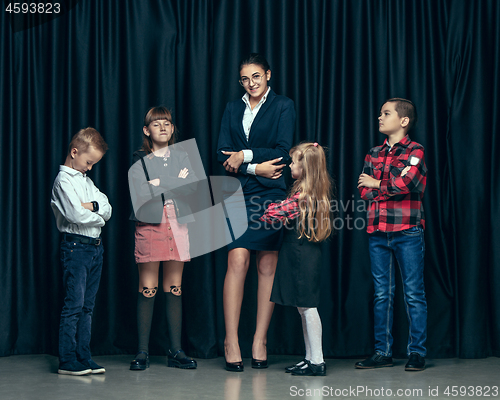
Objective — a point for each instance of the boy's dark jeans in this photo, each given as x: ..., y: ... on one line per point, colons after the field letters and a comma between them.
x: 82, y: 265
x: 408, y: 248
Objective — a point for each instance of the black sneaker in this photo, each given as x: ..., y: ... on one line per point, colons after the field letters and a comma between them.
x: 415, y: 363
x: 375, y: 361
x: 96, y: 369
x: 73, y: 368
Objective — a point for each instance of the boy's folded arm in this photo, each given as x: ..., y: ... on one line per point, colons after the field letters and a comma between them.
x: 411, y: 181
x: 70, y: 206
x: 372, y: 194
x: 105, y: 208
x: 367, y: 193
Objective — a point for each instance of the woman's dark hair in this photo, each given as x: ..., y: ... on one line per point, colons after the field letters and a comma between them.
x: 257, y: 59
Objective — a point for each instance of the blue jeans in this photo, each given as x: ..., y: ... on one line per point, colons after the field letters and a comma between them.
x: 82, y: 265
x: 408, y: 248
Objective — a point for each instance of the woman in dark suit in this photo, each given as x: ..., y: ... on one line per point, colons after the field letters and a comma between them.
x: 255, y: 137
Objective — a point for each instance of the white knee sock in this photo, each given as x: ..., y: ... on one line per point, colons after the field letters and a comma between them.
x: 306, y: 338
x: 312, y: 333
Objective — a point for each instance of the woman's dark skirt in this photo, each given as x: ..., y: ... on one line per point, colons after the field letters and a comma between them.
x: 259, y: 235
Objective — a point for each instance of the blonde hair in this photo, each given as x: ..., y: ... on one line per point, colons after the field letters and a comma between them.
x: 85, y: 138
x: 154, y: 114
x: 315, y: 187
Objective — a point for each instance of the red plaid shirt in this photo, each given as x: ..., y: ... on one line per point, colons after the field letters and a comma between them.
x: 287, y: 209
x: 397, y: 205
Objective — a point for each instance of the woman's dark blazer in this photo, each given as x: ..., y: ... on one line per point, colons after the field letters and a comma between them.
x: 271, y: 135
x: 146, y: 198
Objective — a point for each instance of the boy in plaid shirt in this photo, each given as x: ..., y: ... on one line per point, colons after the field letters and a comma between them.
x: 393, y: 180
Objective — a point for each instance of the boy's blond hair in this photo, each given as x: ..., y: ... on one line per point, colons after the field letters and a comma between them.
x: 88, y: 137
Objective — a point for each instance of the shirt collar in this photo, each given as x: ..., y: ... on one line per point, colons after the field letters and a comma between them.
x: 403, y: 142
x: 246, y: 98
x: 70, y: 171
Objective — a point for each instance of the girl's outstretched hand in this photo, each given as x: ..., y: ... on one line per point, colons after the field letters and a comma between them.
x: 268, y: 169
x: 183, y: 173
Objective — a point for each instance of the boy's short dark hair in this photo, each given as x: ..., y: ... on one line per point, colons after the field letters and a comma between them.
x: 88, y: 137
x: 405, y: 108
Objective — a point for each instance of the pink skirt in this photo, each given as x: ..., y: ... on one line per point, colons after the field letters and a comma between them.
x: 162, y: 242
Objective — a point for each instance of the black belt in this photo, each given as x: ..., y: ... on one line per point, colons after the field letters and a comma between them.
x: 81, y: 239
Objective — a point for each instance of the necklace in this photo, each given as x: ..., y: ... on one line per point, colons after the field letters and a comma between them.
x: 165, y: 157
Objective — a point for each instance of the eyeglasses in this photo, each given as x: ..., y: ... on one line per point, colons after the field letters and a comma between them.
x: 255, y: 79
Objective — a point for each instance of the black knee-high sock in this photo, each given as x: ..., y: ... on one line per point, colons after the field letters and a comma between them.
x: 145, y: 306
x: 173, y: 306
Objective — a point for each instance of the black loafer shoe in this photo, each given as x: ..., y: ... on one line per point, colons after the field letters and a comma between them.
x: 259, y: 364
x: 234, y: 367
x: 180, y: 360
x: 311, y: 370
x: 375, y: 361
x: 290, y: 368
x: 415, y: 363
x: 140, y: 364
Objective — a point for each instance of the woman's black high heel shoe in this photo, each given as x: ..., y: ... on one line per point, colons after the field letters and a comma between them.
x: 234, y: 367
x: 259, y: 364
x: 140, y: 364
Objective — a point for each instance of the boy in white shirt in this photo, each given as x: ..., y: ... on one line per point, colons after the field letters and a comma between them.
x: 80, y: 210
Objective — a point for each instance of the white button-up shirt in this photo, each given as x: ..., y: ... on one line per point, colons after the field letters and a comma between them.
x: 248, y: 118
x: 71, y: 189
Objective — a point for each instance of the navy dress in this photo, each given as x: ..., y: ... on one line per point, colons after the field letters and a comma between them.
x: 270, y: 137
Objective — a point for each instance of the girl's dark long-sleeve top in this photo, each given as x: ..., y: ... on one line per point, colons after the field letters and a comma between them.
x: 147, y: 199
x: 271, y: 135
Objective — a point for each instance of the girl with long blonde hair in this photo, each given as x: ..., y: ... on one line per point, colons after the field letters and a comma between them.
x: 307, y: 221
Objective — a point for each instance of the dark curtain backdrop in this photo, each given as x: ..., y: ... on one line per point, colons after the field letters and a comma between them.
x: 104, y: 63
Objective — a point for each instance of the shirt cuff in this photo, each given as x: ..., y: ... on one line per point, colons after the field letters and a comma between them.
x: 247, y: 156
x: 383, y: 189
x: 251, y: 169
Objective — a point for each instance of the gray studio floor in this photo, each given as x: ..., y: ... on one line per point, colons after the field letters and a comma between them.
x: 34, y: 377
